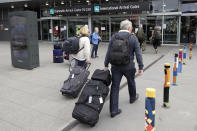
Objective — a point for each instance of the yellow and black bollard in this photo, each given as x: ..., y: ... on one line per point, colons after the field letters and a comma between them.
x: 175, y: 70
x: 190, y: 51
x: 166, y: 85
x: 150, y: 109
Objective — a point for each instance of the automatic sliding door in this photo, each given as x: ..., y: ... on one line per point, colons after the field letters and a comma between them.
x: 171, y: 29
x: 75, y: 24
x: 103, y: 25
x: 45, y: 30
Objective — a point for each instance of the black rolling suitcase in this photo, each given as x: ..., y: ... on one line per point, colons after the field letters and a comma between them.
x: 75, y: 82
x: 92, y: 99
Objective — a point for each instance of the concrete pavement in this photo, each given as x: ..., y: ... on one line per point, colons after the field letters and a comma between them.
x: 179, y: 117
x: 31, y: 101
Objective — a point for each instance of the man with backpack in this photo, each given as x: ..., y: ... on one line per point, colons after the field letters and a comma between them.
x: 120, y: 55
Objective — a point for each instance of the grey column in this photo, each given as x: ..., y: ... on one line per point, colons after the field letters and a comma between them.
x: 67, y: 28
x: 40, y: 30
x: 51, y: 26
x: 163, y: 22
x: 196, y: 35
x: 90, y: 23
x: 179, y: 31
x: 110, y: 28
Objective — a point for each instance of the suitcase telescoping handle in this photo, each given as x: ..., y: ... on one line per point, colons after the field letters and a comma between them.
x: 86, y: 66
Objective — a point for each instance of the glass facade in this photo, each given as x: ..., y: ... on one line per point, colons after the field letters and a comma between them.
x: 176, y: 18
x: 188, y: 29
x: 171, y: 26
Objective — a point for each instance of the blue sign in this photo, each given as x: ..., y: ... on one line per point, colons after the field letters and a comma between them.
x: 97, y: 9
x: 52, y: 12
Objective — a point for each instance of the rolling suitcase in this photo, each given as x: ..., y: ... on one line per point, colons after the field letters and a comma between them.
x: 58, y: 56
x: 75, y: 82
x: 91, y: 101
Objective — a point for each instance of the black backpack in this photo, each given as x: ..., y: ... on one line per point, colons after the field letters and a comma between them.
x: 71, y: 45
x: 157, y: 35
x: 119, y: 53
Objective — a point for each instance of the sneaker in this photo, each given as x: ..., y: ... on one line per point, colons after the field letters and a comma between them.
x: 137, y: 97
x: 117, y: 113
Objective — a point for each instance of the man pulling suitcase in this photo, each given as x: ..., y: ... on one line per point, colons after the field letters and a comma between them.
x: 120, y: 55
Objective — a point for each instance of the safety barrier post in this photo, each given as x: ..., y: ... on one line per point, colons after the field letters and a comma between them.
x: 180, y: 60
x: 166, y: 85
x: 184, y: 54
x: 190, y: 51
x: 150, y: 109
x: 175, y: 70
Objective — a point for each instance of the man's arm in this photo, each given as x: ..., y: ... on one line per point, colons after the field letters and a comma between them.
x: 106, y: 63
x: 138, y: 54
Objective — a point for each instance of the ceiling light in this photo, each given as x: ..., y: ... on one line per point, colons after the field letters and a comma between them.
x: 62, y: 2
x: 12, y: 6
x: 79, y: 1
x: 106, y: 0
x: 25, y: 5
x: 47, y: 3
x: 87, y: 1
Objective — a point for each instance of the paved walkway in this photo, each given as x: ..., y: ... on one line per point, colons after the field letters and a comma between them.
x: 181, y: 116
x: 31, y: 101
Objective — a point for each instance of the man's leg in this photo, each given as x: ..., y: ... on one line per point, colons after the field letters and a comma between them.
x: 114, y: 94
x: 93, y: 50
x: 130, y: 75
x: 96, y: 49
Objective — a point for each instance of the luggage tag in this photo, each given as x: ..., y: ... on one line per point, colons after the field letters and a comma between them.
x: 101, y: 100
x: 90, y: 100
x: 73, y: 75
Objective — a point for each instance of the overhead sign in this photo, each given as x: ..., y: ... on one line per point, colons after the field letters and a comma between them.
x: 99, y: 9
x: 132, y: 6
x: 73, y: 10
x: 96, y: 8
x: 52, y: 12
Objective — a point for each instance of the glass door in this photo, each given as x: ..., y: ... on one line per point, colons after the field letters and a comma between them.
x: 63, y: 30
x: 171, y: 26
x: 115, y: 23
x: 152, y: 22
x: 56, y: 30
x: 103, y: 25
x: 45, y: 31
x: 74, y: 25
x: 188, y: 29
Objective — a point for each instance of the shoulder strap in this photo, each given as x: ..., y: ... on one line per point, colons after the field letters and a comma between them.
x: 79, y: 39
